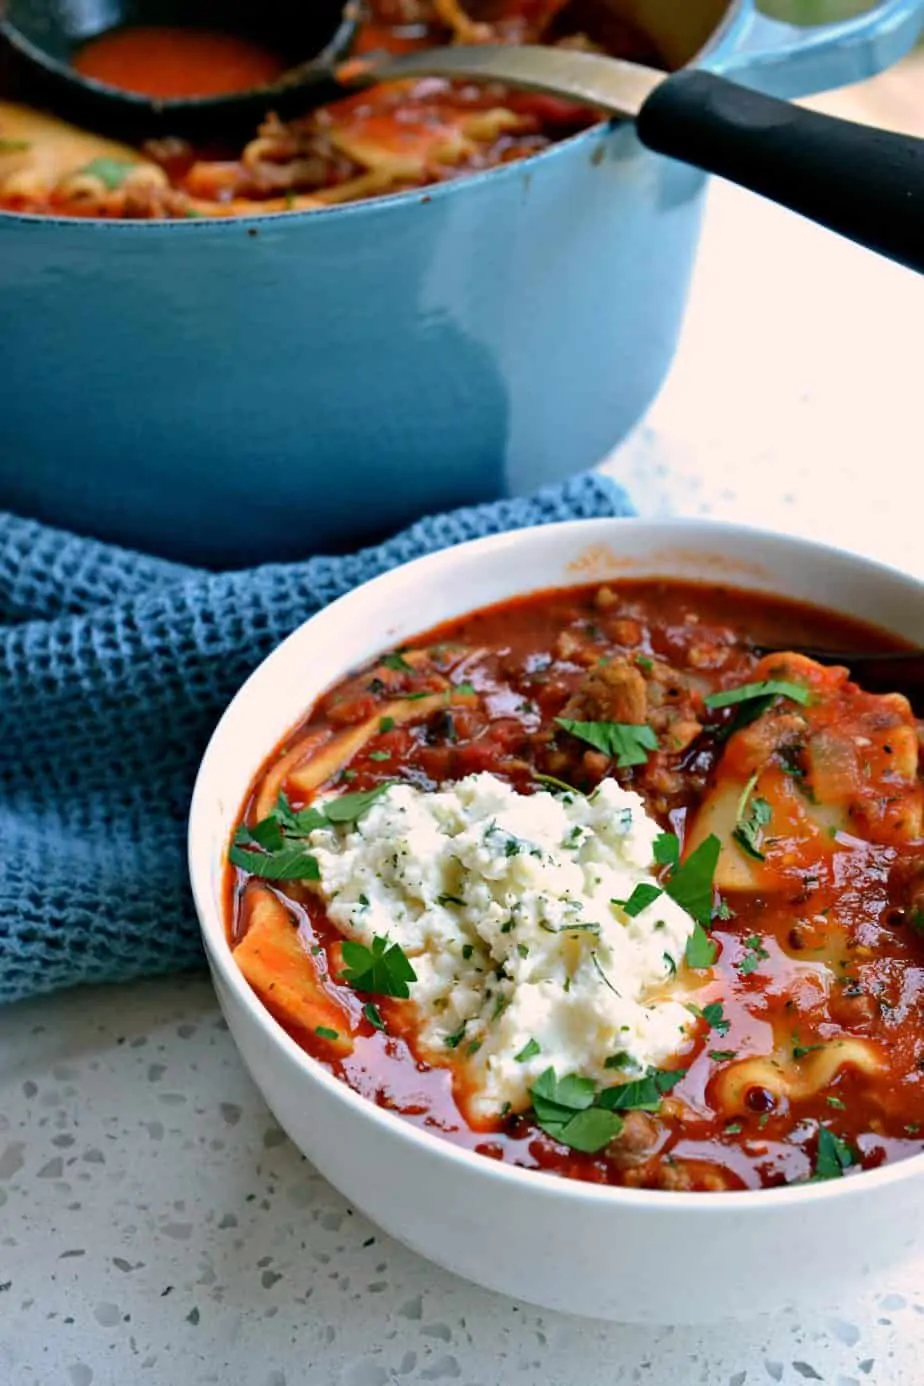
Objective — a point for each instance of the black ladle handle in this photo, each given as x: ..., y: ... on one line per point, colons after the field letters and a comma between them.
x: 865, y: 183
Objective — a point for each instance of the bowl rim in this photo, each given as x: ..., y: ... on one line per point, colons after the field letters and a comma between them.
x: 515, y: 1177
x: 434, y: 192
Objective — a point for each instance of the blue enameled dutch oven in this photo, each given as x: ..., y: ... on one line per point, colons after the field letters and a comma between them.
x: 232, y: 391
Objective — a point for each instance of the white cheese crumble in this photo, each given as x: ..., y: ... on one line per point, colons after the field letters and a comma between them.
x: 506, y: 904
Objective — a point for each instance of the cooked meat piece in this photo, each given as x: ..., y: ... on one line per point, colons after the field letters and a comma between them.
x: 613, y: 692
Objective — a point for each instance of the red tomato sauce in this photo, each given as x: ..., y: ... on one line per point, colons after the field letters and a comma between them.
x: 173, y: 62
x: 827, y: 951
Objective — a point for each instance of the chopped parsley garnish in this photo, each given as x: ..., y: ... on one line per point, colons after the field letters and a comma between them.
x: 625, y: 742
x: 833, y: 1156
x: 397, y: 662
x: 690, y: 882
x: 799, y: 1051
x: 529, y: 1050
x: 667, y: 849
x: 618, y: 1061
x: 749, y: 829
x: 642, y: 896
x: 453, y: 1041
x: 325, y: 1032
x: 473, y: 1046
x: 644, y: 662
x: 836, y: 1103
x: 754, y: 955
x: 371, y: 1012
x: 690, y: 885
x: 559, y: 786
x: 455, y: 900
x: 112, y: 173
x: 464, y: 690
x: 280, y: 837
x: 700, y: 950
x: 383, y: 969
x: 349, y: 808
x: 565, y: 1109
x: 386, y: 724
x: 380, y: 755
x: 714, y: 1017
x: 734, y: 1128
x: 641, y: 1094
x: 721, y: 1056
x: 766, y: 688
x: 467, y: 950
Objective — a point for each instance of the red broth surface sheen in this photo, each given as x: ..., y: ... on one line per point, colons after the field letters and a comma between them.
x: 831, y: 952
x: 172, y: 62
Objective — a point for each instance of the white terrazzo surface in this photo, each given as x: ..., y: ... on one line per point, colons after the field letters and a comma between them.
x: 156, y: 1227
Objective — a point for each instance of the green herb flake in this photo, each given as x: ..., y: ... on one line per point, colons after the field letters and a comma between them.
x: 564, y: 1109
x: 383, y: 969
x: 626, y: 742
x: 559, y: 786
x: 467, y: 950
x: 754, y: 955
x: 833, y: 1156
x: 642, y: 896
x: 645, y: 663
x: 714, y: 1017
x: 667, y: 849
x: 690, y: 883
x: 734, y: 1128
x: 799, y: 1051
x: 380, y: 755
x: 618, y: 1061
x: 766, y: 688
x: 837, y: 1103
x: 530, y: 1049
x: 386, y: 724
x: 700, y: 951
x: 455, y: 900
x: 397, y: 663
x: 453, y: 1041
x: 325, y: 1032
x: 464, y: 690
x: 473, y: 1046
x: 349, y: 808
x: 112, y: 173
x: 722, y: 1056
x: 748, y: 832
x: 371, y: 1012
x: 641, y: 1094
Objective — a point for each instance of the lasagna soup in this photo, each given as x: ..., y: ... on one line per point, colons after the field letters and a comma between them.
x: 592, y: 883
x: 390, y: 138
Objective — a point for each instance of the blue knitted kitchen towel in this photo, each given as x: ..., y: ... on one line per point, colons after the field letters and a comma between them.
x: 114, y: 668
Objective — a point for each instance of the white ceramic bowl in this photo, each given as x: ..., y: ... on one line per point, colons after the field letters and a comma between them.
x: 613, y: 1253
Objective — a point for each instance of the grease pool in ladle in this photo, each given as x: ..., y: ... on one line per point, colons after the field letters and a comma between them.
x: 173, y: 62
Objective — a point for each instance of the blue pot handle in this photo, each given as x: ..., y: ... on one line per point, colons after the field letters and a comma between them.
x: 790, y: 60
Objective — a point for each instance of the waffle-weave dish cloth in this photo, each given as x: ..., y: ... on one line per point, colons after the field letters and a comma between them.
x: 114, y: 668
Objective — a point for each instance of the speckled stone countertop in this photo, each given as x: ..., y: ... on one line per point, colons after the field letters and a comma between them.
x: 156, y: 1227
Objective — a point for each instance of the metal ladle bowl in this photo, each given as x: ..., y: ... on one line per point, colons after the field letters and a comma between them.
x: 42, y: 37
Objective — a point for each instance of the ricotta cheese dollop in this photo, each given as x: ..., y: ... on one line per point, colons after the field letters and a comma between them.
x: 508, y: 906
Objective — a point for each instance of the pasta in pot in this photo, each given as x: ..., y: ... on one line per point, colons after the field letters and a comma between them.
x: 387, y: 139
x: 581, y: 883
